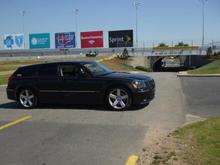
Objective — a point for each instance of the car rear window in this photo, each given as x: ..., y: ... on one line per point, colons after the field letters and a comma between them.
x: 26, y: 72
x: 48, y: 70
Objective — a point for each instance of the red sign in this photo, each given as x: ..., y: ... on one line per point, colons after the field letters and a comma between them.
x: 92, y: 39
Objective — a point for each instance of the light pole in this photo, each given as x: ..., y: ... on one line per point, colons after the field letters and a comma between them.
x: 76, y: 12
x: 203, y: 21
x: 23, y: 12
x: 136, y: 5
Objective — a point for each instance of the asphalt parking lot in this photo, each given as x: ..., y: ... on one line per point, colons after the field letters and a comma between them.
x: 89, y: 134
x: 202, y: 95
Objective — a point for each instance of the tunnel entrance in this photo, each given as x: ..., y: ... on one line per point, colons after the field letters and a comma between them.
x: 168, y: 64
x: 157, y: 65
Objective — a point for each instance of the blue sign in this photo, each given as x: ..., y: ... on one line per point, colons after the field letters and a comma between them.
x: 8, y: 41
x: 65, y: 40
x: 19, y: 40
x: 39, y: 40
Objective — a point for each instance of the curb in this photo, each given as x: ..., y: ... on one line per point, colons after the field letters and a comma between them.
x: 185, y: 74
x: 190, y: 119
x: 137, y: 72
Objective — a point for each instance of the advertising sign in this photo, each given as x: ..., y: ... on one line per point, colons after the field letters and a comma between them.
x: 92, y: 39
x: 65, y: 40
x: 13, y: 41
x: 122, y: 38
x: 39, y: 40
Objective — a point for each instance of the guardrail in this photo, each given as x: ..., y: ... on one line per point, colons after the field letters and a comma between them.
x: 167, y: 51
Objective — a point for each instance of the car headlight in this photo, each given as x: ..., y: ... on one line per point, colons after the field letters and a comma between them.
x: 138, y: 84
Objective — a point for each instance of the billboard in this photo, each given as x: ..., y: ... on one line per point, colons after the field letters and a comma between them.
x: 39, y: 40
x: 93, y: 39
x: 122, y: 38
x: 13, y: 41
x: 65, y: 40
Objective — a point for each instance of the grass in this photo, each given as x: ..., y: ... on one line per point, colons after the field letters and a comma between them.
x: 137, y: 68
x: 7, y: 67
x: 12, y: 65
x: 211, y: 68
x: 142, y: 68
x: 128, y: 67
x: 175, y: 48
x: 4, y: 79
x: 203, y: 142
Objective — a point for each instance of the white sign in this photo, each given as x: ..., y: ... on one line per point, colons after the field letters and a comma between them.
x: 13, y: 41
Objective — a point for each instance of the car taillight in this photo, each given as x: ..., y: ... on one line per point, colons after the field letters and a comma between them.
x: 10, y: 78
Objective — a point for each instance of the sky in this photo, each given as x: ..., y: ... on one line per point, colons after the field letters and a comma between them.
x: 158, y: 20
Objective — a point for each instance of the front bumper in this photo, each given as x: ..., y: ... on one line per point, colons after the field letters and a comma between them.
x: 143, y: 97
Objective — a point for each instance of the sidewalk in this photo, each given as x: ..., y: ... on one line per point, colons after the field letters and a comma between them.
x: 185, y: 74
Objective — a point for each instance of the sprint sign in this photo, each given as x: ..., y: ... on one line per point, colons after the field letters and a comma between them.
x: 92, y: 39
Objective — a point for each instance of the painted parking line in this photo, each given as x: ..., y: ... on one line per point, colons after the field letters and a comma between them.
x: 15, y: 122
x: 132, y: 160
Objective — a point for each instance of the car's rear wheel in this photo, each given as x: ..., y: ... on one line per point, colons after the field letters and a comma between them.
x: 119, y: 98
x: 27, y: 98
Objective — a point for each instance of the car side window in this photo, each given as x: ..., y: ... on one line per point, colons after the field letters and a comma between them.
x: 48, y: 70
x: 70, y: 70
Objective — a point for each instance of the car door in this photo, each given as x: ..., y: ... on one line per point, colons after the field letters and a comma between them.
x: 78, y: 87
x: 48, y: 83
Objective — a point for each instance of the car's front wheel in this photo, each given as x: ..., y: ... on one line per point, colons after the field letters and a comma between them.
x: 27, y: 98
x: 119, y: 98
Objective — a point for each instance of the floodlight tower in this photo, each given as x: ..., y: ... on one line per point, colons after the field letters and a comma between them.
x: 136, y: 5
x: 76, y: 12
x: 23, y: 13
x: 203, y: 21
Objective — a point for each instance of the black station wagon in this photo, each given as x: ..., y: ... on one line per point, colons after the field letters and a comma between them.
x: 78, y: 82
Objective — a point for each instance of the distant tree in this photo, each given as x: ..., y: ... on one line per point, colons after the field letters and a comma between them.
x: 181, y: 44
x: 162, y: 45
x: 209, y: 51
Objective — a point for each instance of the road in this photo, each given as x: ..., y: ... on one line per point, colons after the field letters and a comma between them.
x: 202, y: 95
x: 85, y: 135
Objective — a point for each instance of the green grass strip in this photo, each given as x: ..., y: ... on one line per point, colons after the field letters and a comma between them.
x: 211, y: 68
x: 203, y: 141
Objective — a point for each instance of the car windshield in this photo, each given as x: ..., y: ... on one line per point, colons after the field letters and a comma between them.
x: 97, y: 69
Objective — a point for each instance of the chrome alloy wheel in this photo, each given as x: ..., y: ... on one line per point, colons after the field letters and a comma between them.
x: 27, y: 98
x: 118, y: 98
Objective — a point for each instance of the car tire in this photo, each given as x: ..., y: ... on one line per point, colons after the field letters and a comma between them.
x: 118, y: 98
x: 27, y: 98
